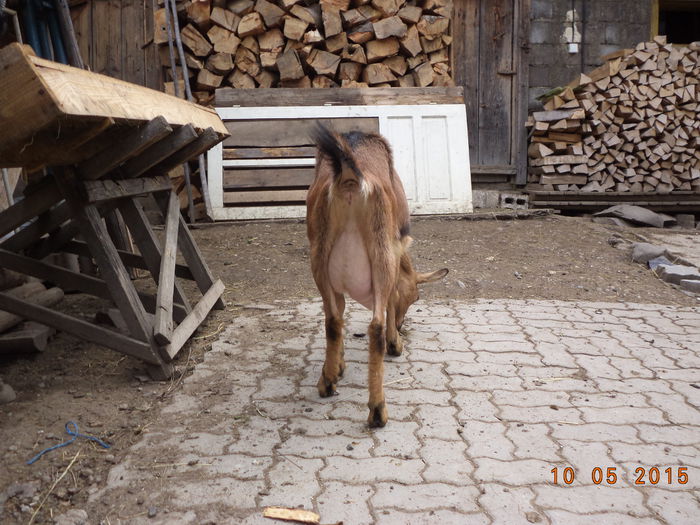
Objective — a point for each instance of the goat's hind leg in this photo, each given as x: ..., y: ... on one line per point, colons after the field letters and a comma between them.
x: 334, y: 365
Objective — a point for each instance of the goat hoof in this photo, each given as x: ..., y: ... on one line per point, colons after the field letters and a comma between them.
x: 326, y: 388
x: 395, y: 348
x: 378, y: 416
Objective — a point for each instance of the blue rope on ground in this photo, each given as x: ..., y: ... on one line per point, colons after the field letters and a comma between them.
x: 76, y: 434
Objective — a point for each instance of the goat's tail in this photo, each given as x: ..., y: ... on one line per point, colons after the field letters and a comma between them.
x: 335, y: 146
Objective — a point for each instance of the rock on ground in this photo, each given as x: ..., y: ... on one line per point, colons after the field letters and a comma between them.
x: 643, y: 252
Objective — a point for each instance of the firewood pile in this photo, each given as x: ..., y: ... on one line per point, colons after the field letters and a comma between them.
x: 313, y: 43
x: 631, y: 125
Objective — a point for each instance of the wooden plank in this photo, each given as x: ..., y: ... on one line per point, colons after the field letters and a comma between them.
x: 132, y: 143
x: 132, y: 42
x: 228, y: 97
x: 45, y: 196
x: 290, y: 132
x: 79, y: 328
x: 158, y: 152
x: 163, y: 327
x: 102, y: 190
x: 151, y: 57
x: 563, y: 179
x: 82, y: 93
x: 185, y: 330
x: 521, y: 65
x: 191, y: 253
x: 278, y: 197
x: 264, y: 153
x: 42, y: 94
x: 147, y: 243
x: 270, y: 163
x: 466, y: 60
x: 191, y: 150
x: 268, y: 178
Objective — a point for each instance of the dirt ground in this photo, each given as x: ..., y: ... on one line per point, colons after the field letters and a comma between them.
x: 109, y: 395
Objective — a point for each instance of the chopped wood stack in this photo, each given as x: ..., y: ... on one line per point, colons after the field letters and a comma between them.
x: 313, y: 43
x: 631, y: 125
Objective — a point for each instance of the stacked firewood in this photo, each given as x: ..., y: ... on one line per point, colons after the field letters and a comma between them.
x: 314, y: 43
x: 632, y: 124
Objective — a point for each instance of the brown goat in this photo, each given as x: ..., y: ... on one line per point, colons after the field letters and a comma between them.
x: 358, y: 224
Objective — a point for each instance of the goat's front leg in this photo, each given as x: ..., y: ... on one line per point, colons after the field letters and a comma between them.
x: 394, y: 343
x: 334, y: 365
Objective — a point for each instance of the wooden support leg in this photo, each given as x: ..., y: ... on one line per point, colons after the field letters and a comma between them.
x: 163, y: 328
x: 148, y: 244
x: 190, y: 251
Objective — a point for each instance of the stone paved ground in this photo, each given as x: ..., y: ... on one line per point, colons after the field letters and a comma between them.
x: 487, y: 399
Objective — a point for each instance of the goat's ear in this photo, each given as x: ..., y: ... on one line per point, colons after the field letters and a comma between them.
x: 432, y: 276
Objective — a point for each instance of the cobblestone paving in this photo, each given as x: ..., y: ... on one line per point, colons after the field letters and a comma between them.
x: 487, y: 399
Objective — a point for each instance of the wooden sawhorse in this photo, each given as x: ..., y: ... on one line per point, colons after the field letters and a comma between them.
x: 72, y: 202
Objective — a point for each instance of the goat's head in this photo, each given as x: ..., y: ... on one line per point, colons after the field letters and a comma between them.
x: 409, y: 280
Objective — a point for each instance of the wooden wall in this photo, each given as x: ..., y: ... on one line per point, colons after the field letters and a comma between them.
x: 116, y: 39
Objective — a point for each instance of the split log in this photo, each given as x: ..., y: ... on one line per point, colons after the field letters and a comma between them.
x: 377, y: 74
x: 194, y: 41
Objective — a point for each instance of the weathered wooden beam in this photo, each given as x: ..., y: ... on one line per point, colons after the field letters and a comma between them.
x: 79, y: 328
x: 34, y: 204
x: 103, y: 190
x: 185, y: 330
x: 198, y: 146
x: 48, y: 221
x: 133, y: 143
x: 158, y: 152
x: 163, y: 327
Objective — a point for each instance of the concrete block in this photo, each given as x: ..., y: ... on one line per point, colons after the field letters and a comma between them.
x: 485, y: 198
x: 690, y: 285
x: 685, y: 220
x: 513, y: 201
x: 541, y: 9
x: 643, y: 252
x: 612, y: 34
x: 544, y: 32
x: 675, y: 273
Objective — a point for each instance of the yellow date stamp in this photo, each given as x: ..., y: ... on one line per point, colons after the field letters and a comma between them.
x: 611, y: 476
